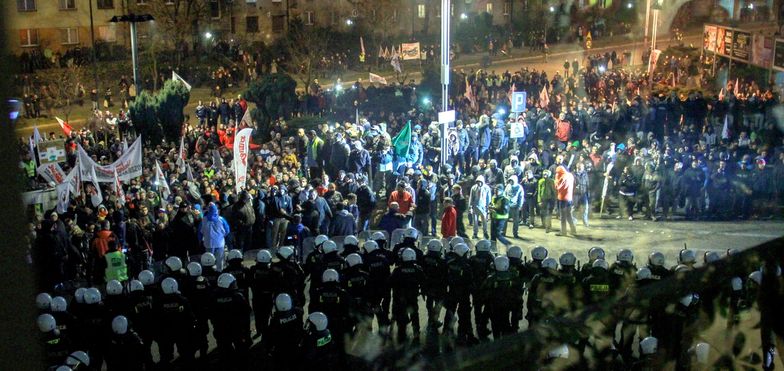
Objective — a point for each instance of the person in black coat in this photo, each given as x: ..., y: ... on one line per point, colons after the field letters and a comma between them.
x: 343, y: 223
x: 183, y: 231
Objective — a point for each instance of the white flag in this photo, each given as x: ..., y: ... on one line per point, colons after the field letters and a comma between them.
x: 124, y: 145
x: 63, y: 197
x: 725, y: 131
x: 246, y: 121
x: 181, y: 156
x: 179, y: 78
x: 376, y: 79
x: 241, y: 153
x: 52, y: 172
x: 161, y: 183
x: 96, y: 197
x: 37, y: 135
x: 118, y: 191
x: 396, y: 64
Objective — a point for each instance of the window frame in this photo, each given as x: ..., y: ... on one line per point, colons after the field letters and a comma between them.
x: 30, y: 33
x: 66, y: 3
x: 68, y: 32
x: 421, y: 11
x: 26, y: 8
x: 247, y: 28
x: 98, y: 4
x: 489, y: 8
x: 310, y: 18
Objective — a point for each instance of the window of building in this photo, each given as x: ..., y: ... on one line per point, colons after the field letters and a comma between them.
x: 25, y: 5
x: 489, y: 8
x: 105, y: 4
x: 69, y: 36
x: 421, y: 10
x: 506, y: 7
x: 278, y: 23
x: 310, y: 18
x: 107, y: 33
x: 250, y: 1
x: 67, y: 4
x: 215, y: 11
x: 28, y: 37
x: 252, y: 24
x: 141, y: 2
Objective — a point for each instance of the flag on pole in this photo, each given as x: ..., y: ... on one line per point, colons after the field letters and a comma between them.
x: 386, y: 53
x: 736, y: 88
x: 361, y: 50
x: 189, y: 174
x: 124, y: 145
x: 511, y: 92
x: 161, y: 183
x: 725, y: 130
x: 118, y: 191
x: 396, y: 64
x: 246, y: 121
x: 181, y: 156
x: 37, y: 135
x: 469, y: 93
x: 376, y: 79
x: 33, y: 141
x: 179, y: 78
x: 721, y: 94
x: 67, y: 129
x: 544, y: 98
x: 380, y: 52
x: 96, y: 197
x: 402, y: 142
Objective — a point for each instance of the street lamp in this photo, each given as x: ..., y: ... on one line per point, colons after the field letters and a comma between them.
x: 208, y: 35
x: 463, y: 16
x: 133, y: 19
x: 349, y: 22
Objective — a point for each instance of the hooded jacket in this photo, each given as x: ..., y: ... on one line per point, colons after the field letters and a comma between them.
x: 213, y: 229
x: 564, y: 184
x: 515, y: 192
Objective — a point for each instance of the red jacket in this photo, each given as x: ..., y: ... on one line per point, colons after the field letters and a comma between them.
x: 449, y: 222
x: 101, y: 242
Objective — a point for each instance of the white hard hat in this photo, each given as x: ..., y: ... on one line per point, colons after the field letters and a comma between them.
x: 483, y: 245
x: 284, y: 252
x: 46, y: 323
x: 194, y: 269
x: 114, y: 287
x: 77, y: 358
x: 207, y: 259
x: 461, y: 249
x: 688, y: 299
x: 353, y: 259
x: 92, y: 296
x: 264, y: 256
x: 680, y: 268
x: 136, y: 285
x: 320, y: 239
x: 435, y: 245
x: 234, y: 254
x: 59, y: 304
x: 454, y: 241
x: 550, y: 263
x: 376, y: 236
x: 561, y: 351
x: 649, y: 345
x: 410, y: 233
x: 408, y: 255
x: 656, y: 258
x: 173, y: 263
x: 282, y: 302
x: 736, y: 283
x: 79, y: 295
x: 63, y: 368
x: 600, y: 263
x: 351, y: 240
x: 318, y: 320
x: 756, y: 277
x: 687, y: 256
x: 329, y: 246
x: 147, y: 277
x: 514, y: 252
x: 539, y: 253
x: 370, y: 246
x: 43, y: 301
x: 225, y: 280
x: 330, y: 275
x: 169, y: 286
x: 596, y: 253
x: 732, y: 251
x: 120, y: 325
x: 711, y: 256
x: 625, y: 256
x: 644, y: 273
x: 567, y: 259
x: 501, y: 263
x: 702, y: 352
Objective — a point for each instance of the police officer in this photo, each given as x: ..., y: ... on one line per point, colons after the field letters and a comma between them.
x: 65, y: 321
x: 649, y: 359
x: 56, y: 346
x: 172, y: 268
x: 176, y: 323
x: 263, y: 283
x: 356, y: 283
x: 405, y: 282
x: 687, y: 257
x: 199, y: 292
x: 330, y: 259
x: 235, y: 267
x: 285, y: 331
x: 141, y: 315
x: 623, y: 271
x: 597, y: 286
x: 481, y: 264
x: 125, y: 349
x: 78, y: 361
x: 289, y: 275
x: 459, y: 277
x: 594, y: 253
x: 115, y: 302
x: 515, y: 255
x: 540, y: 307
x: 91, y: 324
x: 656, y: 266
x: 500, y: 288
x: 568, y: 281
x: 378, y: 266
x: 43, y: 302
x: 313, y: 260
x: 147, y: 278
x: 331, y: 299
x: 409, y: 241
x: 208, y: 268
x: 231, y: 322
x: 434, y: 285
x: 318, y: 348
x: 538, y: 255
x: 350, y: 246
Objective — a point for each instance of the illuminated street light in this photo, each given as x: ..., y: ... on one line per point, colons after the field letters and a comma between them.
x: 552, y: 9
x: 208, y: 35
x: 426, y: 100
x: 629, y: 5
x: 463, y: 16
x: 132, y: 20
x: 751, y: 6
x: 349, y: 22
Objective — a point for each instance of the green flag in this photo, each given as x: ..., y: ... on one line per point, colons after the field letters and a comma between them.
x: 402, y: 142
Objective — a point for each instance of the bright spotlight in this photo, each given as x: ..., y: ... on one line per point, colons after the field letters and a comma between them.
x: 349, y: 22
x: 426, y: 100
x: 208, y: 35
x: 463, y: 16
x: 552, y: 9
x: 629, y: 5
x: 501, y: 111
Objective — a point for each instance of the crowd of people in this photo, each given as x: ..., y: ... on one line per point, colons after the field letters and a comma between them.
x: 592, y: 141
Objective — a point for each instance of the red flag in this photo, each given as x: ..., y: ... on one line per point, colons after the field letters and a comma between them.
x: 736, y: 89
x: 544, y: 98
x: 64, y: 125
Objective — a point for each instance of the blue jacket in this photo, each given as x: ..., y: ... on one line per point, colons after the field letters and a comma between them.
x: 391, y: 221
x: 343, y: 224
x: 213, y: 229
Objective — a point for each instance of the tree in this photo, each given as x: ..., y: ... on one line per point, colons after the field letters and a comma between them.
x: 305, y: 46
x: 171, y: 100
x: 381, y: 16
x: 143, y: 115
x: 64, y: 87
x: 178, y: 19
x: 274, y: 95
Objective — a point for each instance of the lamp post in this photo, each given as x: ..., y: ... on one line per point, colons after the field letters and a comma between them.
x: 132, y: 20
x: 446, y: 20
